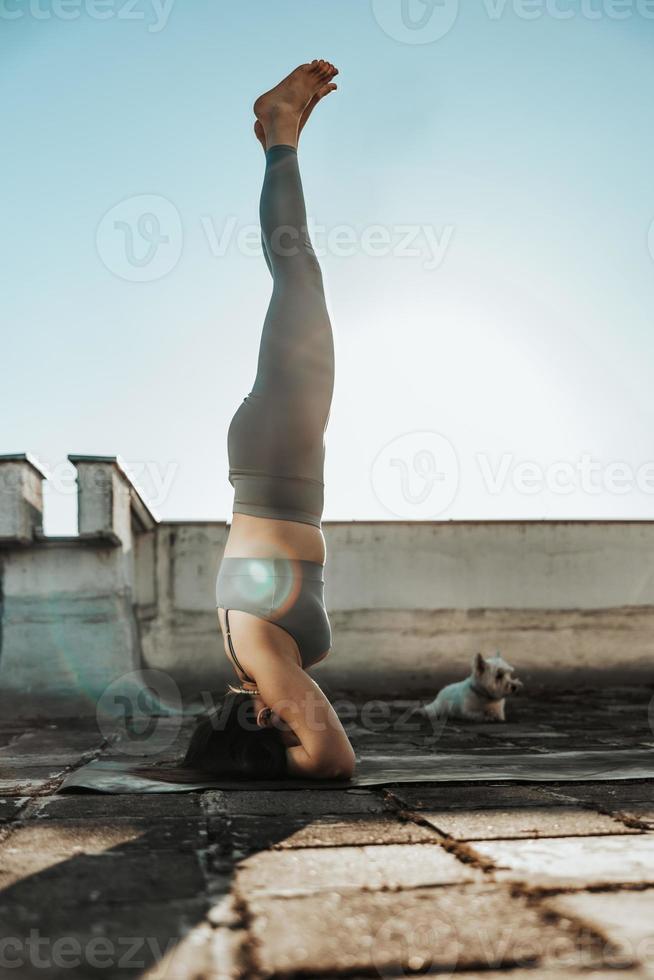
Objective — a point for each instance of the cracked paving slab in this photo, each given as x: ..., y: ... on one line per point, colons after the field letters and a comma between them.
x: 438, y: 929
x: 577, y: 862
x: 636, y: 814
x: 252, y: 833
x: 479, y: 825
x: 322, y: 802
x: 30, y: 780
x: 42, y: 843
x: 371, y: 867
x: 606, y: 795
x: 626, y: 918
x: 118, y: 806
x: 468, y: 796
x: 542, y: 971
x: 125, y: 875
x: 97, y: 939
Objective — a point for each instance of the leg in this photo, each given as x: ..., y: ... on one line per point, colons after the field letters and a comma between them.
x: 260, y: 133
x: 295, y: 372
x: 277, y: 434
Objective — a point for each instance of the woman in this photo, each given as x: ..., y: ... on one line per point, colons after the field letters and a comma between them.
x: 269, y: 591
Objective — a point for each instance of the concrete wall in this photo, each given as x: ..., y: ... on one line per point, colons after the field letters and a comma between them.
x: 520, y: 565
x: 179, y: 629
x: 68, y: 628
x: 409, y: 603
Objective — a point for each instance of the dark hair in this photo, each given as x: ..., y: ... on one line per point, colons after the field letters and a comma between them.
x: 228, y: 742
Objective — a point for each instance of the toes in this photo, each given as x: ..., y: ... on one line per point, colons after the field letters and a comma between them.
x: 326, y: 89
x: 324, y: 69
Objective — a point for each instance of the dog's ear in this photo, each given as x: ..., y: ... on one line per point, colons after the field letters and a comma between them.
x: 478, y: 664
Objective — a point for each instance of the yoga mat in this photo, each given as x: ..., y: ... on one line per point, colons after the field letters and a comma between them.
x: 380, y: 770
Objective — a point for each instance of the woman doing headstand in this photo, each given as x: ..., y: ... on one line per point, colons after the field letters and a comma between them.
x: 269, y: 591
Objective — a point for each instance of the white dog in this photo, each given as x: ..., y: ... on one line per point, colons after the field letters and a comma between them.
x: 479, y: 697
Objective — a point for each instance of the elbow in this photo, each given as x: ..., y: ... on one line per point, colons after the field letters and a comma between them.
x: 341, y: 767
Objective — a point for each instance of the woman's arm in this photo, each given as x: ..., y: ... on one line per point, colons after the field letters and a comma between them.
x: 324, y: 751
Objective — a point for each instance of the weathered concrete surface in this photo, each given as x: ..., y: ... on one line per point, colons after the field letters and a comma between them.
x: 68, y: 625
x: 418, y: 600
x: 109, y: 877
x: 219, y: 954
x: 426, y: 649
x: 489, y: 565
x: 573, y: 861
x: 295, y: 802
x: 553, y: 972
x: 29, y: 780
x: 384, y: 867
x: 628, y: 922
x: 443, y: 928
x: 636, y: 814
x: 9, y: 808
x: 533, y: 822
x: 356, y: 831
x: 21, y: 498
x: 606, y: 795
x: 560, y: 599
x: 239, y: 834
x: 245, y: 884
x: 176, y: 607
x: 479, y: 797
x: 93, y: 807
x: 90, y: 938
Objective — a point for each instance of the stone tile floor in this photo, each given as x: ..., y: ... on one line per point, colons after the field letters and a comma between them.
x: 486, y: 880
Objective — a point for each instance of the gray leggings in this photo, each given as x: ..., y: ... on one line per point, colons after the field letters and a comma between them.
x: 276, y: 439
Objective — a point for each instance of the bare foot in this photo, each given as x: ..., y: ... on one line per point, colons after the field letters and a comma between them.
x: 260, y: 134
x: 313, y: 102
x: 283, y: 111
x: 259, y: 131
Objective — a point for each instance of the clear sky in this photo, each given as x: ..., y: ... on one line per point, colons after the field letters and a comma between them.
x: 481, y: 187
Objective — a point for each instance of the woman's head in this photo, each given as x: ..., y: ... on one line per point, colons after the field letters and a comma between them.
x: 233, y: 740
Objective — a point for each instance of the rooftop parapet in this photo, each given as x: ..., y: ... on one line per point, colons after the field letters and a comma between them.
x: 109, y: 505
x: 21, y: 499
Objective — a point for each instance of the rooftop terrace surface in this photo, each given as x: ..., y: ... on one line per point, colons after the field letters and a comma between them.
x: 488, y: 880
